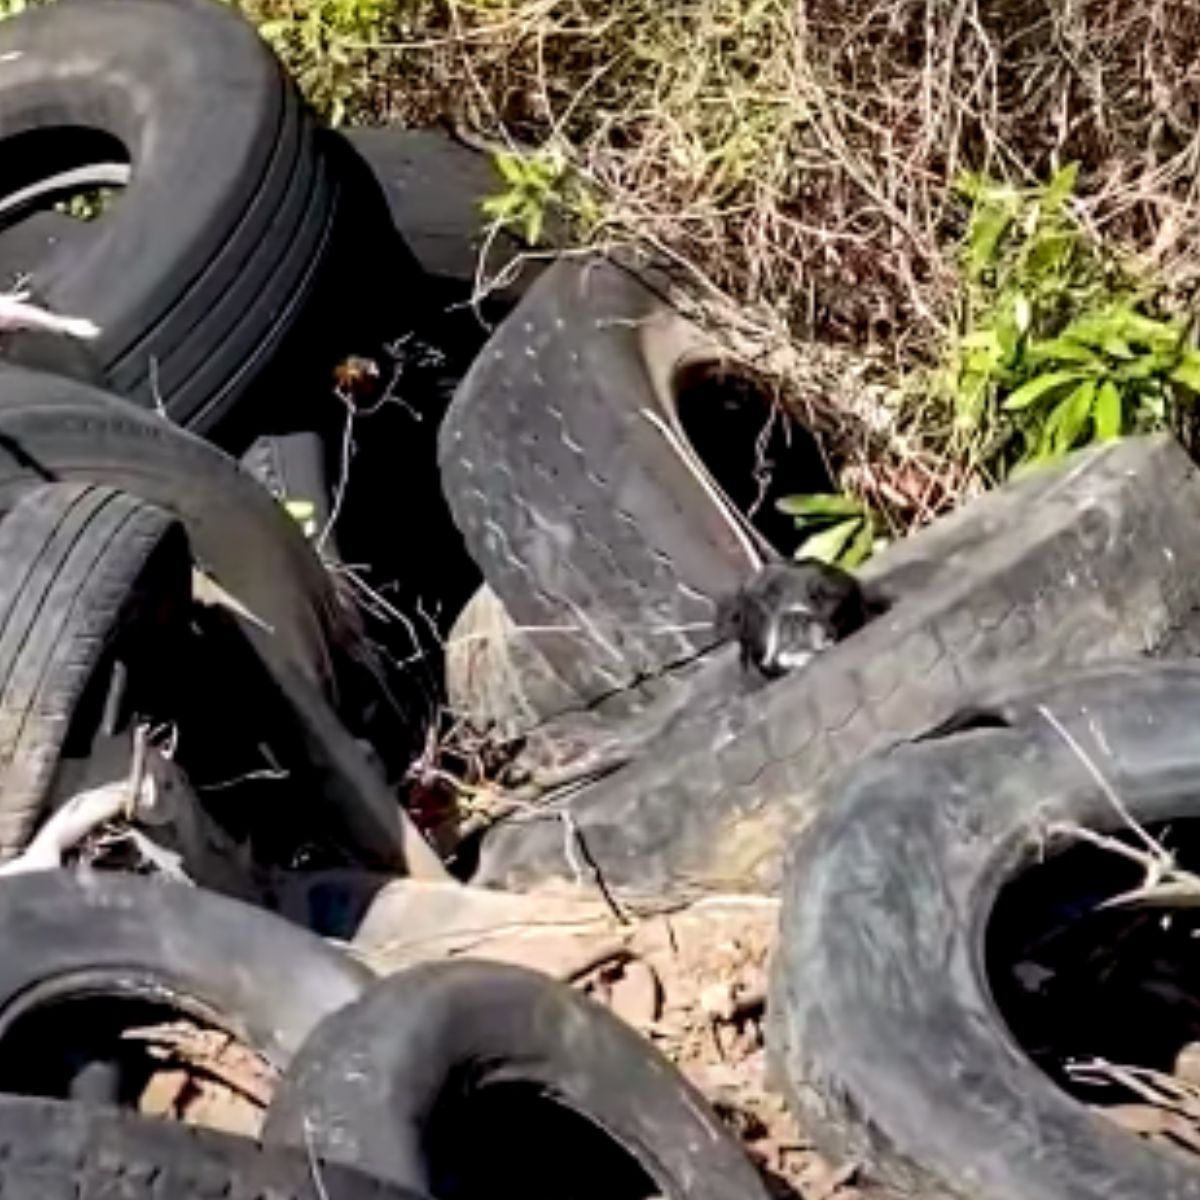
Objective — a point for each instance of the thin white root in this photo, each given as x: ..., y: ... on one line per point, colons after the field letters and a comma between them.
x: 16, y: 313
x: 88, y: 811
x: 82, y: 815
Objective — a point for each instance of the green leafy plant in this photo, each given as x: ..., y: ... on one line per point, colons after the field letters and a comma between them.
x: 837, y: 528
x: 1061, y: 346
x: 326, y: 44
x: 534, y: 185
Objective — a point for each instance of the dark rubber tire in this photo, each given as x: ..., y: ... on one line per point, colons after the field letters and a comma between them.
x: 884, y: 1027
x: 570, y: 497
x: 368, y: 1083
x: 210, y: 255
x: 50, y: 1150
x: 81, y: 564
x: 239, y: 968
x: 56, y: 429
x: 1095, y: 559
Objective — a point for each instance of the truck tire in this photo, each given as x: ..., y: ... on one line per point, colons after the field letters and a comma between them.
x: 1096, y: 558
x: 84, y: 568
x: 380, y: 1085
x: 201, y: 268
x: 885, y: 1025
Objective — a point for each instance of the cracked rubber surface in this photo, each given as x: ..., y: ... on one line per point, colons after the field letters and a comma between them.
x: 569, y: 496
x: 1097, y: 558
x: 55, y: 1151
x: 883, y: 1028
x: 81, y: 564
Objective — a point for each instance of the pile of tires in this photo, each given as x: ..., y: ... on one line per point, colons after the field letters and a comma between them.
x: 970, y: 805
x: 198, y: 710
x: 193, y: 714
x: 599, y: 531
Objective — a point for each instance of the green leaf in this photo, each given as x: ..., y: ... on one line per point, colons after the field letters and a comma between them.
x: 1008, y: 336
x: 1076, y: 411
x: 1039, y: 386
x: 828, y: 545
x: 1138, y: 328
x: 980, y: 339
x: 823, y: 504
x: 1187, y: 371
x: 860, y: 549
x: 988, y: 227
x: 1117, y: 347
x: 1022, y: 312
x: 1059, y: 349
x: 534, y: 220
x: 510, y: 166
x: 1107, y: 414
x: 1061, y: 186
x: 502, y: 207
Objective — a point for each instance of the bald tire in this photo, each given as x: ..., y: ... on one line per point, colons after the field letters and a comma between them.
x: 1095, y: 558
x: 82, y: 565
x: 886, y: 1026
x: 584, y: 519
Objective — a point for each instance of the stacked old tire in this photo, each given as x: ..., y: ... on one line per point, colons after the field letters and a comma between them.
x: 176, y: 657
x: 907, y: 793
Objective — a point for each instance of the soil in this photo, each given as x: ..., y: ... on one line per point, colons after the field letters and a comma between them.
x: 206, y: 1078
x: 695, y: 983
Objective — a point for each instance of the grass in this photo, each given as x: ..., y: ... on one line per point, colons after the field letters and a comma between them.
x: 798, y: 164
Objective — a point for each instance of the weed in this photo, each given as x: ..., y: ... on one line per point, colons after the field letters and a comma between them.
x: 839, y: 529
x: 1061, y: 345
x: 535, y: 185
x: 328, y: 45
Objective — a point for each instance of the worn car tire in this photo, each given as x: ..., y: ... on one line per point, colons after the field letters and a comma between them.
x: 884, y: 1024
x: 1096, y: 558
x: 56, y: 429
x: 368, y: 1085
x: 578, y: 508
x: 205, y: 263
x: 52, y: 1149
x: 66, y: 935
x: 82, y: 564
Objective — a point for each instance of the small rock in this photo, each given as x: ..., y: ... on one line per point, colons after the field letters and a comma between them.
x: 634, y: 996
x: 1187, y: 1064
x: 717, y: 1001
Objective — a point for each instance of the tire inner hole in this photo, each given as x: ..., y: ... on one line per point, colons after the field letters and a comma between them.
x: 514, y: 1139
x: 54, y: 181
x: 1081, y: 984
x: 134, y: 1052
x: 753, y: 448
